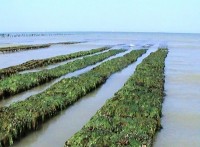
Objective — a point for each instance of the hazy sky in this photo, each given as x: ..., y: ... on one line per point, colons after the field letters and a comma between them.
x: 100, y: 15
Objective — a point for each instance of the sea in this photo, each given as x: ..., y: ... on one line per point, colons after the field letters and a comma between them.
x: 181, y: 106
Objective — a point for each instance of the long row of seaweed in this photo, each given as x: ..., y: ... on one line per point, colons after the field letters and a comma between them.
x: 23, y: 47
x: 5, y: 72
x: 21, y: 117
x: 22, y: 82
x: 31, y: 47
x: 132, y: 116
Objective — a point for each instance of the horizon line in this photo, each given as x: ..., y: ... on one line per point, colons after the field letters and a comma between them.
x: 98, y: 32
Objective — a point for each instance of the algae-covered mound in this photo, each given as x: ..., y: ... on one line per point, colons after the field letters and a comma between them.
x: 132, y: 116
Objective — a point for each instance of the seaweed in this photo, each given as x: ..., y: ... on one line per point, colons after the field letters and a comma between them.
x: 21, y: 82
x: 21, y: 117
x: 6, y: 72
x: 132, y: 116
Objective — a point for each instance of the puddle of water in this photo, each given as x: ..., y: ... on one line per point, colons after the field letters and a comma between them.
x: 39, y: 89
x: 181, y: 109
x: 61, y: 127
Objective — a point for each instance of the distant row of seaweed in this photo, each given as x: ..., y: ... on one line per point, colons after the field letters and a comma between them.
x: 32, y: 47
x: 32, y: 34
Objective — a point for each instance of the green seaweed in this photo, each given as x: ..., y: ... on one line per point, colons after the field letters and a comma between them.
x: 31, y: 47
x: 17, y: 119
x: 132, y: 116
x: 22, y: 82
x: 5, y: 72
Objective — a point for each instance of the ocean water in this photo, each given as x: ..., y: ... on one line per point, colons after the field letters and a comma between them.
x: 181, y: 106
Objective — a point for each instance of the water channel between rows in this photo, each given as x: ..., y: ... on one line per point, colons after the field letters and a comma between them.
x: 60, y: 63
x: 41, y: 88
x: 61, y: 127
x: 12, y: 59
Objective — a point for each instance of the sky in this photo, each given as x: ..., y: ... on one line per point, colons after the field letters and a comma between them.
x: 178, y: 16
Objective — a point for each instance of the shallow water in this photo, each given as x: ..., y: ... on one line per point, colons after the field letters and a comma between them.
x: 11, y: 59
x: 60, y: 128
x: 181, y: 115
x: 58, y: 64
x: 181, y: 107
x: 41, y: 88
